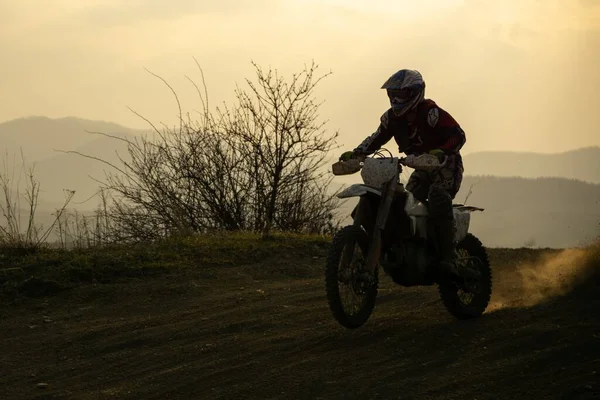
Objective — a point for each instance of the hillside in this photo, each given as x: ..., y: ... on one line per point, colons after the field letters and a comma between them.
x: 582, y: 164
x: 544, y: 212
x: 42, y: 140
x: 79, y: 173
x: 192, y: 321
x: 39, y: 137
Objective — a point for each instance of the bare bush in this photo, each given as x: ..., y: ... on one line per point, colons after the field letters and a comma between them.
x: 74, y: 229
x: 256, y: 165
x: 277, y: 124
x: 17, y: 230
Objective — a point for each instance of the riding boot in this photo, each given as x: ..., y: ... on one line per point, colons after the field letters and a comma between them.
x: 446, y: 245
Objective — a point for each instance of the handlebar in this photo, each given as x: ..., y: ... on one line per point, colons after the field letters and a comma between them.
x: 426, y: 162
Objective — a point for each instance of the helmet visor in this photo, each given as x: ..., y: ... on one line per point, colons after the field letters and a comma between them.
x: 399, y: 95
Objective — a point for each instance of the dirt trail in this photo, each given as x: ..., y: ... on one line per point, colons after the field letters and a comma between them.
x: 252, y: 332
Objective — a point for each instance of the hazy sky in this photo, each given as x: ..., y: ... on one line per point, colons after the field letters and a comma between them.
x: 517, y: 74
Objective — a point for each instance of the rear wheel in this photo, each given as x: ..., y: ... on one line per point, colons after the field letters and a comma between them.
x: 351, y: 290
x: 470, y: 298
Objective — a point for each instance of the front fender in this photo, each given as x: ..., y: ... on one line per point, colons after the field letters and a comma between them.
x: 358, y: 189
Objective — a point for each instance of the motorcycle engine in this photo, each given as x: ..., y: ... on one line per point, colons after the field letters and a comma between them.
x: 407, y: 263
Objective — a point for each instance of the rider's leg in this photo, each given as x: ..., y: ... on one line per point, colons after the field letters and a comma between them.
x: 442, y: 221
x: 445, y: 185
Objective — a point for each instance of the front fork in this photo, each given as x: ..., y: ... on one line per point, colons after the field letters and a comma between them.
x: 348, y: 253
x: 382, y: 214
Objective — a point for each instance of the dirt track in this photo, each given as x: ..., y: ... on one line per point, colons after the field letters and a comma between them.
x: 257, y: 332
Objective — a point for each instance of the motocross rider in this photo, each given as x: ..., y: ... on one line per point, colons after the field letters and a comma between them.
x: 420, y: 126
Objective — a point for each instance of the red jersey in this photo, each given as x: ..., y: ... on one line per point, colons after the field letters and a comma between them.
x: 433, y: 128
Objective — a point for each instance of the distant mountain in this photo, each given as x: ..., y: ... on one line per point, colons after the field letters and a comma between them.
x: 79, y: 172
x: 38, y: 137
x: 42, y: 139
x: 554, y: 211
x: 582, y: 164
x: 543, y: 212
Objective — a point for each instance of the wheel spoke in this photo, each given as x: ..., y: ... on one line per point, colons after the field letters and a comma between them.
x: 469, y: 298
x: 351, y: 284
x: 351, y: 297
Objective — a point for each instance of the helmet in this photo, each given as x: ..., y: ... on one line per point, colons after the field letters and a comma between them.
x: 405, y: 89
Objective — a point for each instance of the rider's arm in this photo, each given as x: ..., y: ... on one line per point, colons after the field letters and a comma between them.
x: 380, y: 137
x: 453, y: 136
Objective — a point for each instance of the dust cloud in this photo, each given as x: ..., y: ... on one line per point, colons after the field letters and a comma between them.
x: 552, y: 276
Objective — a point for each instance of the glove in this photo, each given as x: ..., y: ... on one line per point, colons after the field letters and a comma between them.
x: 439, y: 153
x: 348, y: 155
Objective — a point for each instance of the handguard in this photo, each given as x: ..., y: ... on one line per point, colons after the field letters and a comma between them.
x: 424, y: 162
x: 349, y: 167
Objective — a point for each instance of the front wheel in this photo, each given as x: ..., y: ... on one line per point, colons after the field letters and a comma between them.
x: 469, y: 300
x: 351, y: 290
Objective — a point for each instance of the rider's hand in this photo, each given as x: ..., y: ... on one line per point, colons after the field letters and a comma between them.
x: 439, y: 153
x: 347, y: 156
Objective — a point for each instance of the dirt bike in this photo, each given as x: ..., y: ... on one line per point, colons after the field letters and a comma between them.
x: 390, y: 229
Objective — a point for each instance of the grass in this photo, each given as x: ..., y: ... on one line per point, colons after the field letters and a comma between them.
x: 42, y: 271
x: 45, y: 271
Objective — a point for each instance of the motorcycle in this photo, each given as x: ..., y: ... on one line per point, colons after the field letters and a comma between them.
x: 390, y: 230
